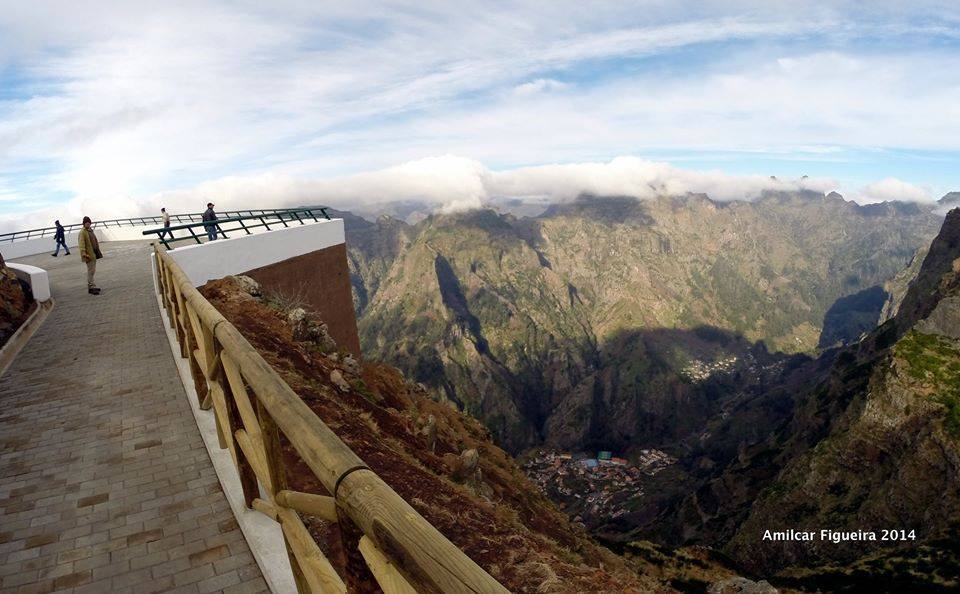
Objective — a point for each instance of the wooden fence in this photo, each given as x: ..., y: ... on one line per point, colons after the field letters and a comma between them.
x: 253, y: 406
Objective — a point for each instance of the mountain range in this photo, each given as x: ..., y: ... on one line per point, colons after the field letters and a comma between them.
x: 586, y: 326
x: 798, y: 357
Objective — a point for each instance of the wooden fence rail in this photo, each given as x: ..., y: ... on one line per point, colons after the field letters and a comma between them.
x: 253, y: 406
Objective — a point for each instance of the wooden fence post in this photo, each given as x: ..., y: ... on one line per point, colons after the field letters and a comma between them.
x: 400, y: 547
x: 270, y: 434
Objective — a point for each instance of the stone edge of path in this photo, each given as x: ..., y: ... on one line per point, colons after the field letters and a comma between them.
x: 22, y: 336
x: 263, y: 535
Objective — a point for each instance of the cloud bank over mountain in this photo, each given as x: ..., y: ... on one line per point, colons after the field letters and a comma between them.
x: 450, y: 183
x: 894, y: 189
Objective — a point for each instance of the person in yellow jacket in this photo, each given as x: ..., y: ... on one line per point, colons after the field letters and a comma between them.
x: 89, y: 252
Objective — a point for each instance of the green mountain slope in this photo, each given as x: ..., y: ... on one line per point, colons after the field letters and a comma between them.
x: 865, y: 438
x: 602, y: 321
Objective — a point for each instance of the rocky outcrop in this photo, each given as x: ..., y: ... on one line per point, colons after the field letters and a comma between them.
x: 308, y: 328
x: 739, y: 585
x: 15, y: 303
x: 935, y: 276
x: 896, y: 288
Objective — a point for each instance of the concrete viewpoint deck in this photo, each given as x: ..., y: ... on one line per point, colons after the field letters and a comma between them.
x: 105, y: 484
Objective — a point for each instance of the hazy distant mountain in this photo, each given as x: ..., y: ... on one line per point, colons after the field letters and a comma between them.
x: 596, y: 322
x: 947, y: 202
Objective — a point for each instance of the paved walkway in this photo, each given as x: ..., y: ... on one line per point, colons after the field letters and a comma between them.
x: 105, y: 485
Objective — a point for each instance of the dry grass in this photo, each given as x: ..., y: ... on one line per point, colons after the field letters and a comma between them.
x: 287, y: 301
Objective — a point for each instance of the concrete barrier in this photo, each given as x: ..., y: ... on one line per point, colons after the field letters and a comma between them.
x: 305, y: 263
x: 37, y: 278
x: 241, y: 253
x: 31, y: 247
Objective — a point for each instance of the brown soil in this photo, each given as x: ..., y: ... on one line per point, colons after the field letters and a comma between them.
x: 516, y: 534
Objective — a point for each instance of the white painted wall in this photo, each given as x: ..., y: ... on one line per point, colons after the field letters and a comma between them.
x: 30, y: 247
x: 240, y: 253
x: 123, y: 233
x: 37, y: 278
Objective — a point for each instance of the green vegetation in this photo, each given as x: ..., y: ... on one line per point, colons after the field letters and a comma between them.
x: 933, y: 567
x: 935, y: 361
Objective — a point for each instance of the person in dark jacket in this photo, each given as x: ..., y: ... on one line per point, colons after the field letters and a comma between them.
x: 211, y: 217
x: 60, y: 237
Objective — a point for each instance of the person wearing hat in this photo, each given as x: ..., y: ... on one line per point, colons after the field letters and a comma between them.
x: 89, y: 253
x: 210, y: 217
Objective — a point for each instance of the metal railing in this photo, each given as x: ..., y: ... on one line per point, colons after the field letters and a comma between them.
x: 133, y: 222
x: 220, y: 227
x: 253, y: 407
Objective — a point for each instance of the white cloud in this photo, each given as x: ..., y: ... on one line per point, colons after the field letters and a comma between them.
x: 540, y: 85
x: 128, y: 100
x: 631, y: 176
x: 891, y: 189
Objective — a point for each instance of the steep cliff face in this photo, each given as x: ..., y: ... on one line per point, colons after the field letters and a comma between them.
x: 864, y: 438
x: 896, y: 288
x: 933, y: 288
x: 599, y: 322
x: 374, y: 247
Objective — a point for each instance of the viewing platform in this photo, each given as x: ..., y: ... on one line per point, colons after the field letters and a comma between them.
x: 144, y: 437
x: 105, y: 485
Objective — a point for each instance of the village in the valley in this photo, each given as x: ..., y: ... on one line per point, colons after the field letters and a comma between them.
x: 592, y: 490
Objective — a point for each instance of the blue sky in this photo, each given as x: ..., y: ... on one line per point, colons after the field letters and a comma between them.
x: 116, y: 108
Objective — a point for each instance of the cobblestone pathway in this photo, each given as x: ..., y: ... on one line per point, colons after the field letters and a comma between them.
x: 105, y: 485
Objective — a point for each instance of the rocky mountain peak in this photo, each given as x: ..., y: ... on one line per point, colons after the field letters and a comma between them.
x: 950, y: 199
x: 938, y: 273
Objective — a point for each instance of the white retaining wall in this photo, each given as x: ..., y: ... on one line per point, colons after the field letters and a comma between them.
x: 37, y: 278
x: 30, y: 247
x: 241, y: 253
x: 40, y: 245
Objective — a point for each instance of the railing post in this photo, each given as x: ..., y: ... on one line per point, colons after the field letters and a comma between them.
x: 381, y: 533
x: 234, y: 389
x: 169, y: 296
x: 187, y: 346
x: 178, y: 319
x: 278, y: 478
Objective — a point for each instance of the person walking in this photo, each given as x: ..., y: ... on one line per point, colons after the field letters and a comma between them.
x: 60, y: 237
x: 166, y: 224
x: 89, y: 253
x: 210, y: 217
